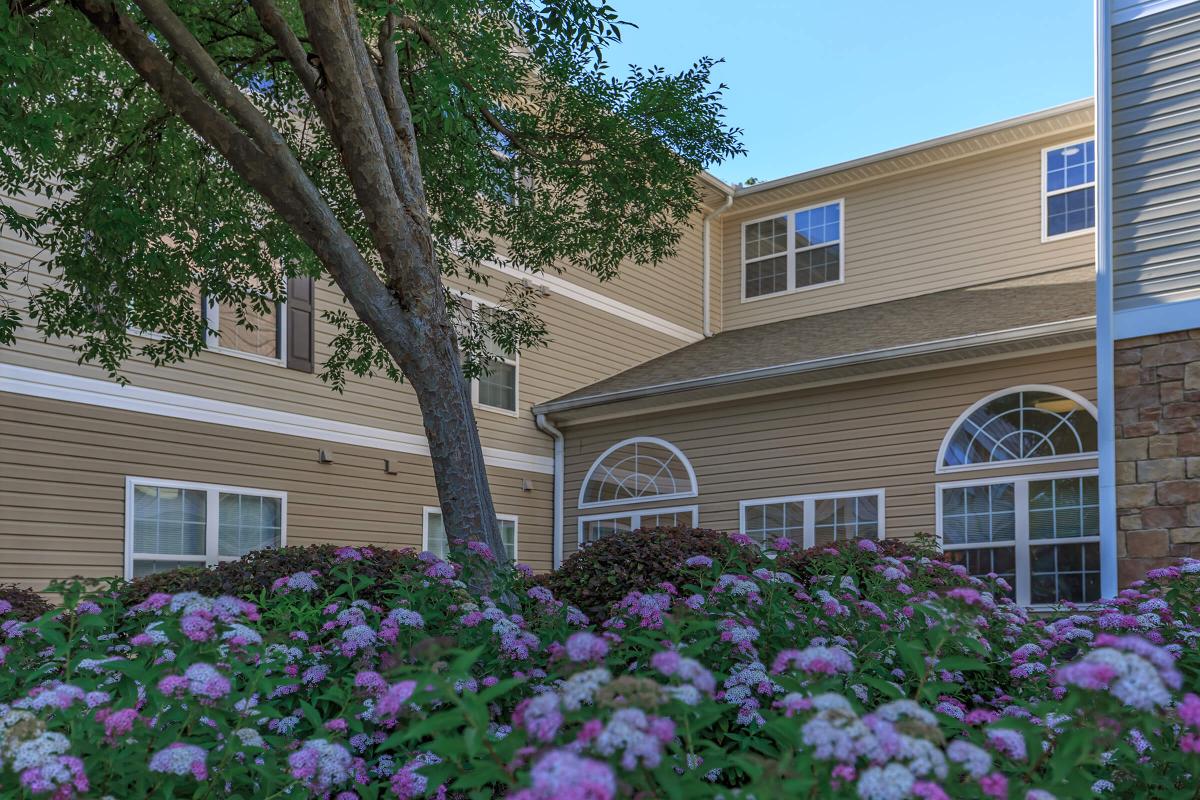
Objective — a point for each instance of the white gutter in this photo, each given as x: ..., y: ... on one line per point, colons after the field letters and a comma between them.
x: 1104, y: 304
x: 546, y: 427
x: 709, y: 217
x: 907, y: 150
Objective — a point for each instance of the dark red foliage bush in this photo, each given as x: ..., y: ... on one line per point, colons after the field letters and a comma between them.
x: 603, y: 572
x: 26, y: 603
x: 256, y: 571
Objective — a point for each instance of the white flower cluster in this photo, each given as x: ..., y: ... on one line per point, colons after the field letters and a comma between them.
x: 24, y: 743
x: 578, y: 690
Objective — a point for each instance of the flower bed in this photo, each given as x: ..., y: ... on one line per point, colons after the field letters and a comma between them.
x: 862, y: 675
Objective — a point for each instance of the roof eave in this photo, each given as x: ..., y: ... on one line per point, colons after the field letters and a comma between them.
x: 800, y: 367
x: 917, y: 147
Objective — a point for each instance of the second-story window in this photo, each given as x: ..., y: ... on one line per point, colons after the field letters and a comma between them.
x: 496, y: 388
x: 792, y: 251
x: 264, y: 339
x: 258, y: 335
x: 1069, y: 189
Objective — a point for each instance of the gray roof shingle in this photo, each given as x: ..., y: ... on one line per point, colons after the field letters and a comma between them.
x: 1000, y: 306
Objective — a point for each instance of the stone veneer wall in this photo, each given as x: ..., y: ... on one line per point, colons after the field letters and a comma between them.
x: 1157, y: 407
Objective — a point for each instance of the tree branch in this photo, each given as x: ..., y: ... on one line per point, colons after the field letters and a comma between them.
x: 405, y: 252
x: 176, y: 91
x: 394, y: 98
x: 289, y: 44
x: 223, y: 90
x: 414, y: 25
x: 289, y: 191
x: 392, y: 151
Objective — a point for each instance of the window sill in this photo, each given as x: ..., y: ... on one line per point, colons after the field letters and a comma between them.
x: 786, y: 292
x: 1069, y: 235
x: 229, y: 351
x: 1059, y: 608
x: 497, y: 410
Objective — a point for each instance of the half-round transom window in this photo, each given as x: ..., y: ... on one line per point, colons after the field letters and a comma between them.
x: 1022, y: 425
x: 639, y: 469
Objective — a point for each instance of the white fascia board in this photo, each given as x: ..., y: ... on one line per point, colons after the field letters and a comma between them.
x: 559, y: 285
x: 105, y: 394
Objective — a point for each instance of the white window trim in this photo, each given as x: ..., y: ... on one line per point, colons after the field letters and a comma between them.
x: 212, y: 341
x: 625, y: 501
x: 211, y: 517
x: 1046, y: 194
x: 514, y: 362
x: 635, y: 517
x: 1088, y: 405
x: 809, y: 501
x: 1021, y: 540
x: 426, y: 511
x: 790, y: 215
x: 212, y: 313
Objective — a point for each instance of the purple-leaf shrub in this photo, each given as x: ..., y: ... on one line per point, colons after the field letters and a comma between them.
x: 866, y: 671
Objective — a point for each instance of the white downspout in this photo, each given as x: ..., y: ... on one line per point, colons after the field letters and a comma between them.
x: 705, y: 245
x: 1105, y: 390
x: 546, y: 427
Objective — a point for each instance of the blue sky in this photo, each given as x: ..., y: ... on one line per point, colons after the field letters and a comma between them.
x: 816, y: 82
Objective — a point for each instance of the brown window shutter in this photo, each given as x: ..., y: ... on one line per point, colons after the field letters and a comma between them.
x: 300, y: 324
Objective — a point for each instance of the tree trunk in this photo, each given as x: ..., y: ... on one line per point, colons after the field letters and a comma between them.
x: 454, y: 446
x: 416, y: 330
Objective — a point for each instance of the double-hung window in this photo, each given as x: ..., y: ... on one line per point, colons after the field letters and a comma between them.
x: 264, y: 340
x: 281, y: 335
x: 1068, y: 189
x: 170, y: 524
x: 1041, y: 533
x: 435, y: 541
x: 793, y: 251
x: 596, y: 526
x: 814, y: 519
x: 496, y: 388
x: 260, y: 335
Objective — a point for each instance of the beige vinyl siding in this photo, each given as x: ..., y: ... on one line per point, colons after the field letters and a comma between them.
x: 961, y: 223
x: 586, y: 344
x: 876, y: 434
x: 1156, y: 157
x: 719, y: 268
x: 62, y: 487
x: 671, y: 290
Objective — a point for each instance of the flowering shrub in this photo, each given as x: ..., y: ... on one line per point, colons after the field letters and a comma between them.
x: 867, y: 676
x: 598, y: 575
x: 258, y: 571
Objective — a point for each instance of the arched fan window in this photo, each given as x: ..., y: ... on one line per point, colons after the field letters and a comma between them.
x: 639, y: 469
x: 1028, y: 423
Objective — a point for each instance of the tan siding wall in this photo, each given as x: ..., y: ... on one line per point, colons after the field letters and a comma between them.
x: 719, y: 268
x: 671, y: 290
x: 62, y: 486
x: 962, y: 223
x: 586, y: 345
x: 882, y: 433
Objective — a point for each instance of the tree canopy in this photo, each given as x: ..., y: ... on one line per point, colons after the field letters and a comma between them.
x: 198, y: 154
x: 528, y: 150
